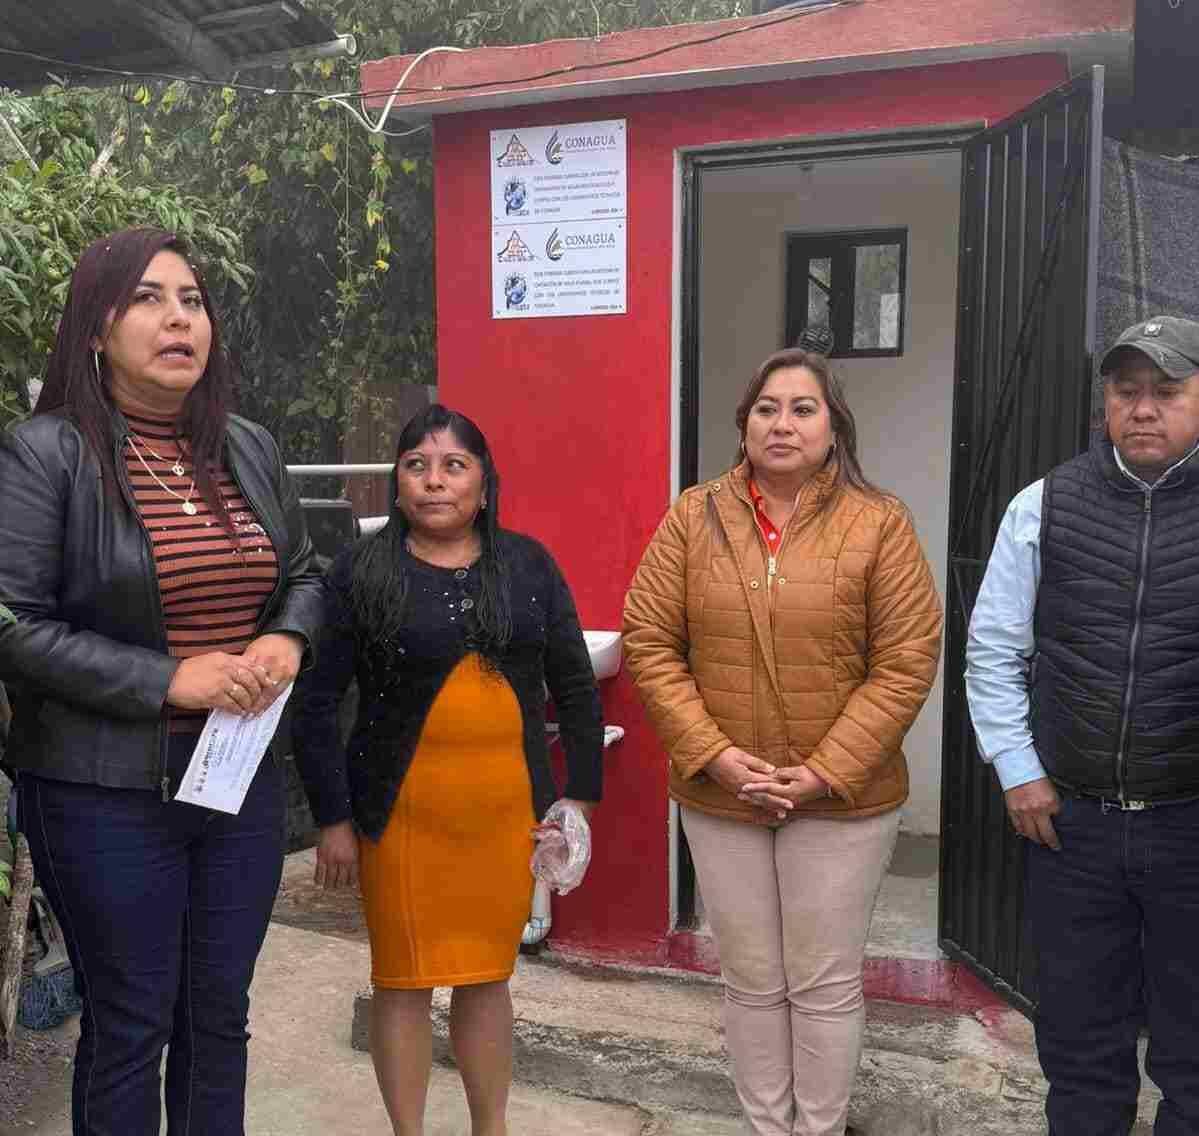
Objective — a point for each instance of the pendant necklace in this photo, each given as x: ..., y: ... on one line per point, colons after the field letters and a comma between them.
x: 187, y: 505
x: 177, y: 469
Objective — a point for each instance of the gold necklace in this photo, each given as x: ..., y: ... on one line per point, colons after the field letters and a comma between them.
x: 177, y: 469
x: 187, y: 506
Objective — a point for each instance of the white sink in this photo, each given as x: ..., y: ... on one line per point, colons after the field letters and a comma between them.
x: 604, y: 649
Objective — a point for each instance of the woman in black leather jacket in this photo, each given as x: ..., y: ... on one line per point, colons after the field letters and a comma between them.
x: 158, y: 565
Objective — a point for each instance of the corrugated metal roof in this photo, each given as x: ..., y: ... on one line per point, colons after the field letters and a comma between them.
x: 176, y: 36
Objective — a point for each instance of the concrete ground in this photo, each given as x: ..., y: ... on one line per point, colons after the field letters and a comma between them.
x: 306, y: 1079
x: 905, y: 916
x: 599, y: 1050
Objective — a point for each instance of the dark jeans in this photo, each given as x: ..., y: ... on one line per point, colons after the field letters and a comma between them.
x: 164, y: 907
x: 1115, y: 920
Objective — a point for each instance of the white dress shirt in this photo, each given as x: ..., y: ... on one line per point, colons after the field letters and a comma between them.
x: 1002, y: 643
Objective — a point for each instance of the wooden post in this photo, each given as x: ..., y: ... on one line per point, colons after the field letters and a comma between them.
x: 13, y: 957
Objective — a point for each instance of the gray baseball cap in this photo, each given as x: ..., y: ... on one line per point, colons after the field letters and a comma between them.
x: 1167, y: 341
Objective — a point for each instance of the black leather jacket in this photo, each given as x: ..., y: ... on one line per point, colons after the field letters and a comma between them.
x: 86, y: 663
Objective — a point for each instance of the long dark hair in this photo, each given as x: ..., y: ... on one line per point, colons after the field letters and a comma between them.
x: 378, y: 583
x: 848, y: 470
x: 105, y: 280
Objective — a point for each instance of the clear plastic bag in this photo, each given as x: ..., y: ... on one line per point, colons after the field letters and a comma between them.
x: 563, y: 847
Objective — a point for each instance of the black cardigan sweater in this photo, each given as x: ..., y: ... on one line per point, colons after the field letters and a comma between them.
x: 397, y: 686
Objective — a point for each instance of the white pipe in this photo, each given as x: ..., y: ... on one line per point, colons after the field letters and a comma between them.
x: 344, y: 46
x: 540, y: 917
x: 377, y: 468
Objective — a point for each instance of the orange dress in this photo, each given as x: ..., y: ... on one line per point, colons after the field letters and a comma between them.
x: 447, y: 887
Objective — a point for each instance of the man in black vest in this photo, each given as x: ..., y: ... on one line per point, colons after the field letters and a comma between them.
x: 1083, y: 681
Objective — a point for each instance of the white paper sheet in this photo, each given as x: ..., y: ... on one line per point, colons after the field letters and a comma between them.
x: 559, y: 208
x: 227, y: 756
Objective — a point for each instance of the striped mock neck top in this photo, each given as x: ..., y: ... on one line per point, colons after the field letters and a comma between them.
x: 213, y: 584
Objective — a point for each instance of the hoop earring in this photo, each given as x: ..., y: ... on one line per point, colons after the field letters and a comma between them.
x: 96, y: 363
x: 483, y: 504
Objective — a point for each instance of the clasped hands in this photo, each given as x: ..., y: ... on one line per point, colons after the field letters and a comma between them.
x: 242, y: 684
x: 776, y: 789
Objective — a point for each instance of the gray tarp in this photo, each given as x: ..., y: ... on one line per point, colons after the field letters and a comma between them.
x: 1149, y: 240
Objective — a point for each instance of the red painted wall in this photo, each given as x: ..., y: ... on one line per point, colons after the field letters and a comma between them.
x: 579, y: 412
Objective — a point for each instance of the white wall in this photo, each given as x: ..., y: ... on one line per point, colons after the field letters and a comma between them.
x: 902, y: 405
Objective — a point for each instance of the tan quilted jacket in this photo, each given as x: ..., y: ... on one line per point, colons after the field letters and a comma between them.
x: 826, y: 661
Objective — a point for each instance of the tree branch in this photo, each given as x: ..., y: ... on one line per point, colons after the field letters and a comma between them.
x: 105, y: 155
x: 13, y: 956
x: 15, y: 138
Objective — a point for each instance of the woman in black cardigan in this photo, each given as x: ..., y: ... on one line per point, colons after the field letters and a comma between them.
x: 453, y: 628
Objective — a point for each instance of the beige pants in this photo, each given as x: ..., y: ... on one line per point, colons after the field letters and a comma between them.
x: 790, y: 909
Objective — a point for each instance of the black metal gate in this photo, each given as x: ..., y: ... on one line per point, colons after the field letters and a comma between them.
x: 1022, y: 404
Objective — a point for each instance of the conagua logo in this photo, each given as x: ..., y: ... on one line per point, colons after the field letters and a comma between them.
x: 553, y: 150
x: 591, y: 240
x: 515, y: 154
x: 558, y: 246
x: 514, y: 249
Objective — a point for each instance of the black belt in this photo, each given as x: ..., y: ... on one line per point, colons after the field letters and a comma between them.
x: 1126, y: 805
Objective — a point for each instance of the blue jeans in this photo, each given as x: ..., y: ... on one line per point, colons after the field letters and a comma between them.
x: 1115, y: 921
x: 164, y: 907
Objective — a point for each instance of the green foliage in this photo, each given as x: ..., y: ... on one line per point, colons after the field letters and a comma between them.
x: 337, y: 223
x: 339, y: 299
x: 52, y: 206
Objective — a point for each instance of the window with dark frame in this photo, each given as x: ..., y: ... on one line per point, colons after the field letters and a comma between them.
x: 853, y: 283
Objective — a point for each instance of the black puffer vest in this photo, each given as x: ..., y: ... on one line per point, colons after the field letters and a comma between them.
x: 1116, y: 677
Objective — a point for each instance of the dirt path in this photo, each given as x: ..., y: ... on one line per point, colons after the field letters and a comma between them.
x: 35, y: 1084
x: 300, y: 903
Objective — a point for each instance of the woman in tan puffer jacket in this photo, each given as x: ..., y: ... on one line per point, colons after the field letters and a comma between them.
x: 783, y: 630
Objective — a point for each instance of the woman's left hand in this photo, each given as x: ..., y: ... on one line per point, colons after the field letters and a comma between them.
x: 276, y: 661
x: 789, y: 785
x: 585, y: 807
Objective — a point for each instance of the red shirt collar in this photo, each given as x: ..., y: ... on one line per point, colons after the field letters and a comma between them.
x: 770, y: 534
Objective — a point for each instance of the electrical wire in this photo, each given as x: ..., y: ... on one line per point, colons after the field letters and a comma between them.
x: 810, y: 9
x: 342, y: 100
x: 190, y: 80
x: 377, y: 128
x: 569, y: 69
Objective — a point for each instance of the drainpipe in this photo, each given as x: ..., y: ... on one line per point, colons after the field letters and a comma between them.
x: 540, y: 918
